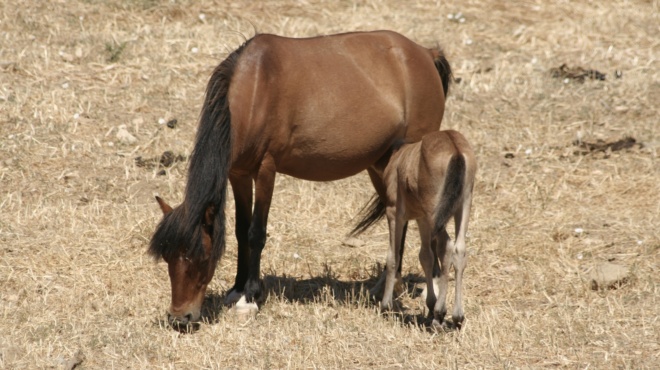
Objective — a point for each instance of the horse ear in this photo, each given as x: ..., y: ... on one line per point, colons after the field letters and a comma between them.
x: 163, y: 206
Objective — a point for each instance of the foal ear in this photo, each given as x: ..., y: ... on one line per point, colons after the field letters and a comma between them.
x: 163, y: 206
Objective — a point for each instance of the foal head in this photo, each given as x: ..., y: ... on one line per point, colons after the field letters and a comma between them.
x: 190, y: 270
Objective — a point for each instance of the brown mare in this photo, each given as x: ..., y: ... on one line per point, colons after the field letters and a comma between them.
x: 321, y: 109
x: 430, y: 181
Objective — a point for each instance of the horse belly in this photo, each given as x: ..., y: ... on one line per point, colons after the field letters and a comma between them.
x: 337, y: 128
x: 339, y: 153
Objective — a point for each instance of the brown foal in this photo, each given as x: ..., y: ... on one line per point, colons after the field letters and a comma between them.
x: 430, y: 181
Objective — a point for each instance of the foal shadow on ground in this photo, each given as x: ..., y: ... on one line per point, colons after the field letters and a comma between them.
x: 325, y: 288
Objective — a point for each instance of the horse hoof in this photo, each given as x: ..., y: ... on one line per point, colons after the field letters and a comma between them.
x: 438, y: 325
x: 458, y: 321
x: 245, y: 308
x: 233, y: 297
x: 376, y: 294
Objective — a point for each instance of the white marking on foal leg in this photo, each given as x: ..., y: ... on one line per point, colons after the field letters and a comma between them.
x: 460, y: 258
x: 376, y: 292
x: 445, y: 251
x: 436, y: 287
x: 398, y: 285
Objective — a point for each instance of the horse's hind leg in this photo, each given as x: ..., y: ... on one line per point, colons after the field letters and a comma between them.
x: 264, y: 183
x: 427, y: 259
x: 377, y: 290
x: 396, y: 224
x: 242, y: 189
x: 444, y: 248
x: 461, y: 218
x: 434, y: 260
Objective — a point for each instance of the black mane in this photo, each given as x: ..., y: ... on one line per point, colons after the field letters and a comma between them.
x: 180, y: 231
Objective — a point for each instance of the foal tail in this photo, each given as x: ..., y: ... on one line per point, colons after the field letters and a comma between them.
x: 452, y: 192
x: 374, y: 211
x: 210, y: 161
x: 371, y: 213
x: 443, y: 67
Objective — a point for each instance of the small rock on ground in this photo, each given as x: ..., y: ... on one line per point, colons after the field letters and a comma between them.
x: 608, y: 275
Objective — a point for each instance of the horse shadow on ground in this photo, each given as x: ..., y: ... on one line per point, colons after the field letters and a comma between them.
x: 329, y: 289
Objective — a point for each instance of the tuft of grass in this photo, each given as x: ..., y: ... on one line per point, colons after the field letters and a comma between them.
x: 114, y: 51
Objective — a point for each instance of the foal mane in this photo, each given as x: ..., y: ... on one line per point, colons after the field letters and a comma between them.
x: 206, y: 188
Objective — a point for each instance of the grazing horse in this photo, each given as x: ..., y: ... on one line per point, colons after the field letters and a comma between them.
x: 430, y: 181
x: 321, y: 109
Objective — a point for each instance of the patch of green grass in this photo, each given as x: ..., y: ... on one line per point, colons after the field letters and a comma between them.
x: 114, y: 51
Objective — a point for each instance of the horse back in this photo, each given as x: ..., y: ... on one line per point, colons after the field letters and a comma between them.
x: 336, y: 102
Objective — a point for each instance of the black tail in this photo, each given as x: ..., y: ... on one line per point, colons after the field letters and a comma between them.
x: 371, y: 213
x: 375, y: 209
x: 451, y: 193
x: 444, y: 69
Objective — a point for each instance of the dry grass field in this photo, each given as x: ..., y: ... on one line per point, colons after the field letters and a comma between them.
x: 555, y: 196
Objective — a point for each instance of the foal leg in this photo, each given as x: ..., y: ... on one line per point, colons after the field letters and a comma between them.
x: 242, y: 189
x: 398, y: 286
x: 428, y: 260
x: 435, y: 261
x: 264, y: 183
x: 444, y: 250
x: 461, y: 218
x: 376, y: 177
x: 396, y: 223
x: 377, y: 290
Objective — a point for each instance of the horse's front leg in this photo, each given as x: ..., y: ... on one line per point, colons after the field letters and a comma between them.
x: 242, y: 189
x: 264, y: 184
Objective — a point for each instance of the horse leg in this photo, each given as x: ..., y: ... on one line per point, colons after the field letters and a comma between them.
x: 264, y: 184
x: 375, y: 175
x: 377, y: 291
x: 242, y: 189
x: 461, y: 218
x: 396, y: 226
x: 398, y: 287
x: 444, y: 250
x: 428, y: 260
x: 434, y: 262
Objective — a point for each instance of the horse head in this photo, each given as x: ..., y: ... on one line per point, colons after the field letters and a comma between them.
x: 190, y: 272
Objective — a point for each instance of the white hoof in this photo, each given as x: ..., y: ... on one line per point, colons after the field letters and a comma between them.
x: 244, y: 310
x: 233, y: 297
x: 242, y: 307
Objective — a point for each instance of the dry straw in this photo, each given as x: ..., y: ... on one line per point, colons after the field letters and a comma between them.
x: 77, y: 210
